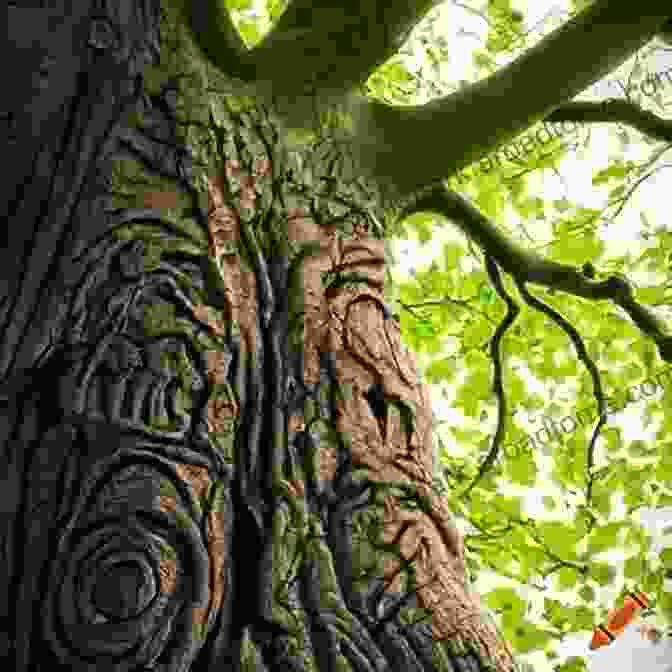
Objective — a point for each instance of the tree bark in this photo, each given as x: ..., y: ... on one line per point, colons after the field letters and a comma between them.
x: 216, y: 451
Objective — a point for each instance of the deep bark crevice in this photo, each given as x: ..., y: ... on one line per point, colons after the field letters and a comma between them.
x: 192, y: 412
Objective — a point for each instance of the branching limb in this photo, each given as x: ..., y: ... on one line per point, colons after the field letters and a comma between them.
x: 497, y: 386
x: 614, y: 111
x: 321, y: 52
x: 317, y: 47
x: 448, y: 133
x: 213, y: 30
x: 530, y: 267
x: 590, y: 365
x: 334, y: 45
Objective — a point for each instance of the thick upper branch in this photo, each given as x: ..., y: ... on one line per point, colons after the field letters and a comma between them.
x: 416, y: 145
x: 334, y: 45
x: 213, y: 30
x: 614, y: 111
x: 326, y: 46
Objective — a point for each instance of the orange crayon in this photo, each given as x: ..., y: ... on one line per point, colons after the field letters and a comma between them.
x: 618, y: 619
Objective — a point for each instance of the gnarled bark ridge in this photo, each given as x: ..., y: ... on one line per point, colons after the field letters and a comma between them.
x: 216, y: 449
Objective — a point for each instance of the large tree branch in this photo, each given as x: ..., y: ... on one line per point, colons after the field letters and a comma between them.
x: 334, y: 45
x: 408, y: 147
x: 614, y: 111
x: 325, y: 48
x: 213, y: 30
x: 525, y: 266
x: 317, y: 46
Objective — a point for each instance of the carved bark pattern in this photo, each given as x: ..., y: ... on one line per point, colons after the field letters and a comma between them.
x: 225, y: 448
x: 367, y: 347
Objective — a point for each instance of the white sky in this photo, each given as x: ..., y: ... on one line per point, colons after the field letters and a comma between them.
x: 630, y: 651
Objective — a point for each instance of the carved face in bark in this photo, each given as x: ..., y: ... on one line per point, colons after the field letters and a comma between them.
x: 241, y: 465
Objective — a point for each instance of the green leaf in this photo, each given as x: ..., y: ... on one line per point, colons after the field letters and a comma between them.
x: 476, y: 333
x: 562, y: 204
x: 616, y: 192
x: 422, y: 223
x: 602, y: 573
x: 467, y: 401
x: 441, y: 369
x: 638, y: 448
x: 276, y: 8
x: 487, y: 294
x: 467, y: 437
x: 549, y: 503
x: 616, y: 171
x: 523, y: 470
x: 587, y: 593
x: 510, y: 505
x: 666, y: 557
x: 633, y: 567
x: 249, y: 31
x: 452, y: 254
x: 655, y: 294
x: 577, y: 249
x: 238, y: 5
x: 603, y: 538
x: 505, y: 600
x: 567, y: 578
x: 424, y: 328
x: 396, y: 71
x: 559, y: 537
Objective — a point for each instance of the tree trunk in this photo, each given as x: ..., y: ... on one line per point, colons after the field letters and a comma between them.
x: 217, y: 453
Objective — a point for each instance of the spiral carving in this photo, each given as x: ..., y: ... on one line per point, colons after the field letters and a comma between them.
x: 133, y: 568
x: 217, y: 451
